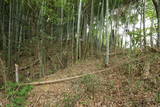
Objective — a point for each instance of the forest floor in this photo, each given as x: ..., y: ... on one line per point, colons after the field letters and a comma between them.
x: 135, y: 84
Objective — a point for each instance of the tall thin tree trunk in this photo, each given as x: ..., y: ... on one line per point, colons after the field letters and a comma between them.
x: 9, y: 60
x: 42, y: 56
x: 78, y: 30
x: 144, y: 26
x: 91, y: 28
x: 151, y: 34
x: 107, y: 34
x: 158, y: 29
x: 141, y: 22
x: 73, y: 37
x: 61, y: 30
x: 157, y: 8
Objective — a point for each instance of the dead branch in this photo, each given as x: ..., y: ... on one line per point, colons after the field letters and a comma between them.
x: 59, y: 61
x: 29, y: 66
x: 34, y: 105
x: 50, y: 58
x: 76, y: 77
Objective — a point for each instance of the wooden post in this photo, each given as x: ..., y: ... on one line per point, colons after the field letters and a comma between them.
x: 16, y: 73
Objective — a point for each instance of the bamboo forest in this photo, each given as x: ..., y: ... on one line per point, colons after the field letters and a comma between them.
x: 79, y: 53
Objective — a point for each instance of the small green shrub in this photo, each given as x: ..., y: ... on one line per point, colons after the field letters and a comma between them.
x: 17, y: 94
x: 51, y: 71
x: 70, y: 100
x: 112, y: 84
x: 139, y: 84
x: 158, y: 97
x: 90, y: 82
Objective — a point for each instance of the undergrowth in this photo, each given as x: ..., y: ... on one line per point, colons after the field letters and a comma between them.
x: 17, y: 94
x: 87, y: 85
x: 90, y: 83
x: 141, y: 80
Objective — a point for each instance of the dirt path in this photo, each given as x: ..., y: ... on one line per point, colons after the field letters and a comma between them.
x: 117, y: 88
x: 51, y: 93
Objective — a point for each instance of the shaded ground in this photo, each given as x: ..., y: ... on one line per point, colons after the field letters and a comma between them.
x: 127, y: 86
x: 53, y: 93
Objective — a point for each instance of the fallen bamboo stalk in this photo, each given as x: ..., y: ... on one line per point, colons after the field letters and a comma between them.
x: 76, y: 77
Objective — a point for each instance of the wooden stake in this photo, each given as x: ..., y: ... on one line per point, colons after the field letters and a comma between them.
x: 16, y: 73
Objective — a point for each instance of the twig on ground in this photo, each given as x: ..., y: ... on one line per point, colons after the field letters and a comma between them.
x: 34, y: 105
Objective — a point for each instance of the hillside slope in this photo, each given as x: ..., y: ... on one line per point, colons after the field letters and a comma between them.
x: 130, y: 85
